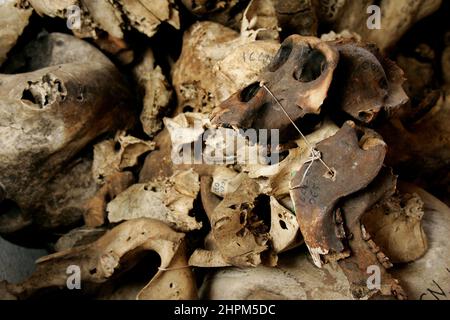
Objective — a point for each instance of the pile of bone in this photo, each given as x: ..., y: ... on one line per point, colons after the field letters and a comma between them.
x: 124, y: 167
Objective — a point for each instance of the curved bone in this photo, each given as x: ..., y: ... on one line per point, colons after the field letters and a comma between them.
x: 177, y: 283
x: 103, y: 258
x: 284, y: 229
x: 356, y: 163
x: 169, y: 201
x: 13, y: 19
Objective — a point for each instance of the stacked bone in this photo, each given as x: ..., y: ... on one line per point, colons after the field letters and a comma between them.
x: 314, y: 225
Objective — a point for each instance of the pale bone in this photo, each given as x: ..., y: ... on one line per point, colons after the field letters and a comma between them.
x: 167, y: 201
x: 260, y: 15
x: 106, y: 16
x: 184, y: 129
x: 222, y: 145
x: 49, y: 114
x: 115, y: 155
x: 344, y: 34
x: 396, y: 18
x: 225, y: 181
x: 157, y: 93
x: 426, y: 277
x: 52, y: 8
x: 144, y: 15
x: 395, y: 225
x: 215, y: 62
x: 147, y: 15
x: 13, y: 19
x: 103, y: 258
x: 284, y: 229
x: 230, y: 146
x: 78, y: 237
x: 60, y: 9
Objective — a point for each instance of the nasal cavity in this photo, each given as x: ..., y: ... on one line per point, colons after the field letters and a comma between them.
x: 249, y: 92
x: 281, y: 57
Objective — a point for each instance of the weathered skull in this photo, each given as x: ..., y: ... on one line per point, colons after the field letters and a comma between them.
x: 365, y: 82
x: 298, y: 76
x: 50, y: 113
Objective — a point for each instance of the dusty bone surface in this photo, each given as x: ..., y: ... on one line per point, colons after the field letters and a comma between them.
x: 108, y: 193
x: 49, y: 115
x: 13, y: 19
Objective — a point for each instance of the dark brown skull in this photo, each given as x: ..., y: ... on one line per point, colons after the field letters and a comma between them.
x: 365, y: 82
x: 299, y: 76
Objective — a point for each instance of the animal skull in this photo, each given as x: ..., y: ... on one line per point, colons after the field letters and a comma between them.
x: 298, y: 76
x: 51, y: 112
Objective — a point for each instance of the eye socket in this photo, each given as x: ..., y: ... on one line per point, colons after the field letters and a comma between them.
x: 365, y: 116
x: 311, y: 65
x: 249, y: 92
x: 281, y: 56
